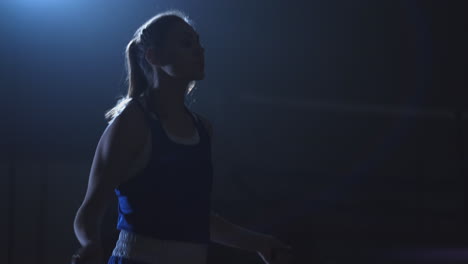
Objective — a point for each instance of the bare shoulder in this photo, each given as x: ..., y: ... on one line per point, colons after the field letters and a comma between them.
x: 207, y: 124
x: 131, y: 120
x: 126, y: 134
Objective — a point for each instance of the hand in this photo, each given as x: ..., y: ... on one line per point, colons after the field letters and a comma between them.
x: 89, y: 254
x: 273, y: 251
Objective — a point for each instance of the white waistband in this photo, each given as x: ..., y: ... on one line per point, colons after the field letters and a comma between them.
x: 154, y: 251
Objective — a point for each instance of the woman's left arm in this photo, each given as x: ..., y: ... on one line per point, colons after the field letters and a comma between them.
x: 226, y: 233
x: 229, y: 234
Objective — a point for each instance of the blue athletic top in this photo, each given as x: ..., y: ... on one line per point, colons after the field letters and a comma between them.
x: 170, y: 199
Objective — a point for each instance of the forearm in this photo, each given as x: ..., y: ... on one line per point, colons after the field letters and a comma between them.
x: 229, y: 234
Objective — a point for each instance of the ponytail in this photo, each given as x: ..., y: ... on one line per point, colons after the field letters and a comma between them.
x: 137, y: 81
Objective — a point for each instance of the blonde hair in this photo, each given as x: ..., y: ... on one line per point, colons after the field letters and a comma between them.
x: 140, y: 75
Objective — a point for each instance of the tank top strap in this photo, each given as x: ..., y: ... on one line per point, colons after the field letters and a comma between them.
x: 143, y: 108
x: 200, y: 125
x: 193, y: 114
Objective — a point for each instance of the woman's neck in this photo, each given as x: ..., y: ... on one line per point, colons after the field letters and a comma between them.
x: 167, y: 103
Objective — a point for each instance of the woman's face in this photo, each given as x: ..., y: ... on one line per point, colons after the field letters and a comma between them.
x: 183, y: 56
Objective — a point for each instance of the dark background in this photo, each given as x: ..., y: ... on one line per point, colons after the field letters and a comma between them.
x: 340, y: 126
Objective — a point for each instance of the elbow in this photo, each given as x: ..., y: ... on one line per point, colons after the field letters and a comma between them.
x: 86, y: 225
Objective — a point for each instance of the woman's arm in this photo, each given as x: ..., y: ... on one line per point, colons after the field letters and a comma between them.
x: 224, y: 232
x: 269, y: 248
x: 117, y: 148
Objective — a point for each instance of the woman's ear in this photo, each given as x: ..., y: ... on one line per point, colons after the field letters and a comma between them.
x: 153, y: 57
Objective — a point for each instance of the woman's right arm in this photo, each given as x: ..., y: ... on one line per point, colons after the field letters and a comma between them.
x: 118, y: 146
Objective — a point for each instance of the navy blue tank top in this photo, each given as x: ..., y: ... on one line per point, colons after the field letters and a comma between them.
x: 170, y: 199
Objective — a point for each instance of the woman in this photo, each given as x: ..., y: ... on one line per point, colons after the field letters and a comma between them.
x: 155, y: 155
